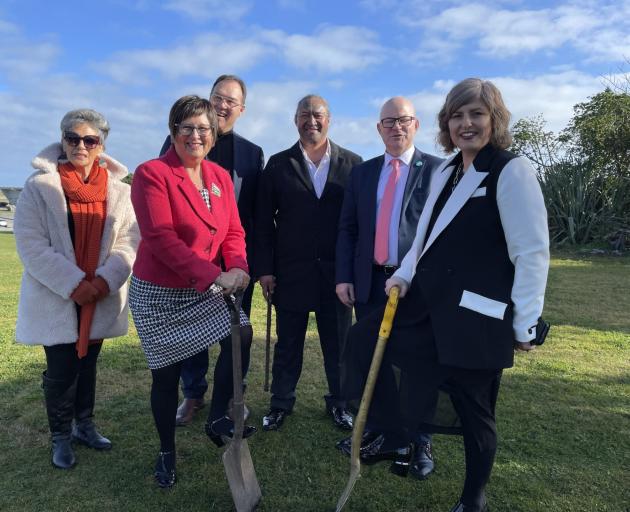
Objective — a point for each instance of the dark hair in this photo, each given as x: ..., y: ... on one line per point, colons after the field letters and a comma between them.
x: 467, y: 91
x: 309, y: 97
x: 192, y: 106
x: 234, y: 78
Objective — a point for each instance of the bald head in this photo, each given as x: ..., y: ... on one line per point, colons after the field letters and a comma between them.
x: 400, y: 113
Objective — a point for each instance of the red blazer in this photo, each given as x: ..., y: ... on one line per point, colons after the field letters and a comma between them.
x: 183, y: 243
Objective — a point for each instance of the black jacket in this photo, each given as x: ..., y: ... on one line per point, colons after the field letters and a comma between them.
x: 296, y: 232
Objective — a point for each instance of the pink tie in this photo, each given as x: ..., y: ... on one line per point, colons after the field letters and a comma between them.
x: 381, y: 241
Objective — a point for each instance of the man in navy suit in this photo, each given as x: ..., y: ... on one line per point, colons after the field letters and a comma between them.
x: 244, y: 161
x: 360, y: 276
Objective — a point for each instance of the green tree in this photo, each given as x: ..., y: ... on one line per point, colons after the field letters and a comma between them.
x: 600, y: 132
x: 584, y: 171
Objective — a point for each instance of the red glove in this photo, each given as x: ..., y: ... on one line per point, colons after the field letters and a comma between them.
x: 101, y: 285
x: 85, y: 293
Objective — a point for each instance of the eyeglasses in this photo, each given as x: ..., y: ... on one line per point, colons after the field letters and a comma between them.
x: 188, y: 129
x: 218, y: 100
x: 89, y: 141
x: 389, y: 122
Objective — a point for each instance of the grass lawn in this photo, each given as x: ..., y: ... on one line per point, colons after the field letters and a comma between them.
x: 563, y: 419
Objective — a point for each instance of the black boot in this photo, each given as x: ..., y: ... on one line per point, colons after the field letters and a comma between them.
x: 60, y: 396
x: 84, y: 430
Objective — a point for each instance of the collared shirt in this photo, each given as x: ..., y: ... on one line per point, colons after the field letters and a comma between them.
x: 318, y: 173
x: 386, y: 170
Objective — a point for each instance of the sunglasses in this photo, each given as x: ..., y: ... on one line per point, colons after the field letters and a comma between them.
x: 89, y: 141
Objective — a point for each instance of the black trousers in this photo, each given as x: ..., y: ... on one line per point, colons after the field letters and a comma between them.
x: 63, y: 363
x: 407, y: 389
x: 333, y: 321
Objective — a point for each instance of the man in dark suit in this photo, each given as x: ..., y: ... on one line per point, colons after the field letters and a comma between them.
x: 298, y: 208
x: 244, y: 161
x: 361, y: 271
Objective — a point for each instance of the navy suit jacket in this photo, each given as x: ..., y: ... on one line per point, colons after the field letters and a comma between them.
x: 357, y: 223
x: 248, y: 165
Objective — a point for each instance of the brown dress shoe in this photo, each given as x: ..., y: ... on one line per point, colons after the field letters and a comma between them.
x: 187, y: 410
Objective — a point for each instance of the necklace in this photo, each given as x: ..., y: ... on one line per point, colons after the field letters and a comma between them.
x: 458, y: 175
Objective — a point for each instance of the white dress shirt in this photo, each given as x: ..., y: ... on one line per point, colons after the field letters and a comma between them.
x: 318, y: 173
x: 394, y: 223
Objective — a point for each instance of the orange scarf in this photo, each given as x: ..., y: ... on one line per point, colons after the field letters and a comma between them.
x: 88, y: 207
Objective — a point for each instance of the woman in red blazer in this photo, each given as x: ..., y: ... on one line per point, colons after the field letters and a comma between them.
x: 192, y: 252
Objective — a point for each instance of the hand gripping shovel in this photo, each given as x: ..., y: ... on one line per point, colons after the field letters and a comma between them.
x: 237, y: 460
x: 366, y: 399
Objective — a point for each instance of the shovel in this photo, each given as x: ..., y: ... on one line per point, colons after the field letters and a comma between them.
x: 267, y: 344
x: 366, y: 399
x: 237, y: 460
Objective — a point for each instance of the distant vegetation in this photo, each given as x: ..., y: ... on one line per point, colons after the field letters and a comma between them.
x: 584, y: 170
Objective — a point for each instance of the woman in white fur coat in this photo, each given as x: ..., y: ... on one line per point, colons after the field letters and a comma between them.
x: 76, y: 235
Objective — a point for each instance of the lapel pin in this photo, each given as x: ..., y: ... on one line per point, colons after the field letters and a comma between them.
x: 215, y: 190
x: 419, y: 163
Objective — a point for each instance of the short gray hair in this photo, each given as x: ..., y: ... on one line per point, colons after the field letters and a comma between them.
x: 307, y: 99
x: 85, y: 116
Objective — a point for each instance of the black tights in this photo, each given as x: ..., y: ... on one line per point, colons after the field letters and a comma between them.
x: 164, y: 391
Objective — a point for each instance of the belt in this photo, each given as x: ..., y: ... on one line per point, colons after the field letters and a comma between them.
x: 388, y: 270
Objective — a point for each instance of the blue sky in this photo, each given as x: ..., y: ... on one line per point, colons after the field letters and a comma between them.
x: 130, y: 59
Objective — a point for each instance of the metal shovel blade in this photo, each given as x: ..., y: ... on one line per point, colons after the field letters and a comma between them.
x: 241, y: 476
x: 237, y: 460
x: 366, y: 399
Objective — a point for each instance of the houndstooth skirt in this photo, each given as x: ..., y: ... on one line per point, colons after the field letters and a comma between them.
x: 176, y: 323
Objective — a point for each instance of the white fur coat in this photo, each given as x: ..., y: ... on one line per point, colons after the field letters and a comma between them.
x: 46, y: 314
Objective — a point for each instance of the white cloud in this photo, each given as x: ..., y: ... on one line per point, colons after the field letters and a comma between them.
x: 552, y: 95
x: 207, y: 56
x: 599, y: 30
x: 8, y: 28
x: 332, y: 49
x: 203, y: 10
x: 19, y: 57
x: 268, y: 119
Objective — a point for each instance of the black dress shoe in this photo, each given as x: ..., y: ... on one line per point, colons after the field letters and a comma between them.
x: 164, y: 472
x: 341, y: 418
x: 422, y: 464
x: 274, y: 419
x: 345, y: 445
x: 377, y: 450
x: 460, y: 507
x: 222, y: 429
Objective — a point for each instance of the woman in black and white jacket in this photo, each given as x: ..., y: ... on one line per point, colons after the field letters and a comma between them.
x: 472, y: 286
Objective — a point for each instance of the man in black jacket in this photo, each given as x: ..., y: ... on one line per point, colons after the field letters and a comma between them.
x: 244, y: 161
x: 299, y: 203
